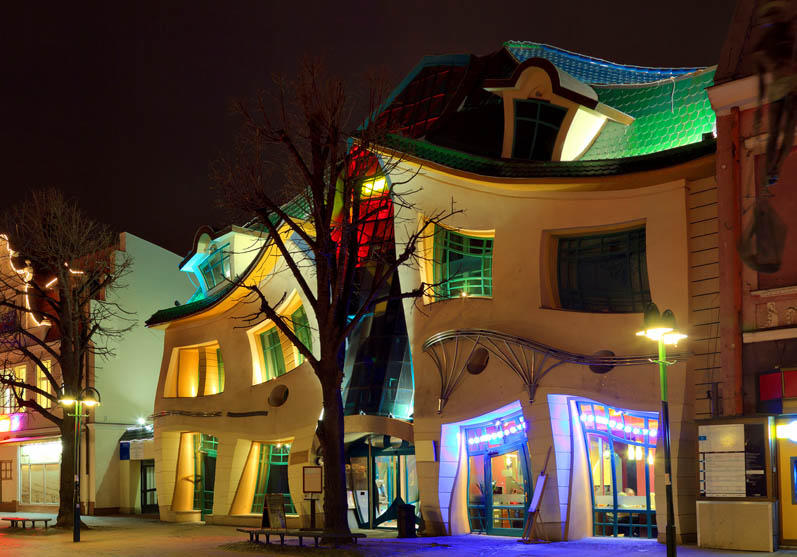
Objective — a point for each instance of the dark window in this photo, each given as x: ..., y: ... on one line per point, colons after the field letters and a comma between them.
x: 537, y: 124
x: 5, y: 470
x: 603, y: 273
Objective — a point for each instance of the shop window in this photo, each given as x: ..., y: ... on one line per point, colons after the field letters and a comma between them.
x: 43, y: 383
x: 537, y: 124
x: 301, y: 327
x: 603, y: 273
x: 8, y: 402
x: 5, y: 470
x: 621, y: 448
x: 272, y: 476
x: 39, y: 473
x: 463, y: 265
x: 216, y: 268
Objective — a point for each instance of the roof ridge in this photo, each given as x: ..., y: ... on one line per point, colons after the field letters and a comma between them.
x: 527, y: 44
x: 656, y: 83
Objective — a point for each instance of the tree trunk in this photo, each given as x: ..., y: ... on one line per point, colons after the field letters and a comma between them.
x: 66, y: 507
x: 335, y: 505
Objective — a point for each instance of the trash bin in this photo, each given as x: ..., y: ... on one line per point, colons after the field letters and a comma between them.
x: 406, y: 521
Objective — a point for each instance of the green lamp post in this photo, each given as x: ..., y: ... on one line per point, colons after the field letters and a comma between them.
x: 661, y: 329
x: 87, y: 397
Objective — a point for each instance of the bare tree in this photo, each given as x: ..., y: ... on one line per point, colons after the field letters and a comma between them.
x: 295, y: 147
x: 56, y: 298
x: 775, y: 56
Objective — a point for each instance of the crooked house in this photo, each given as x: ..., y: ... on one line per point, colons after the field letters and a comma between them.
x: 582, y: 185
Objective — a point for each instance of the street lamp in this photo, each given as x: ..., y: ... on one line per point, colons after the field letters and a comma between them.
x: 661, y: 328
x: 89, y: 397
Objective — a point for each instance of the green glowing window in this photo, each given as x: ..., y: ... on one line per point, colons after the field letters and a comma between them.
x: 302, y: 329
x: 272, y: 353
x: 537, y: 124
x: 603, y: 273
x: 272, y: 476
x: 463, y: 265
x: 216, y: 268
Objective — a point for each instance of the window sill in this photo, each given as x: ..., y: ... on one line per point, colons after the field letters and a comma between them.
x: 459, y: 298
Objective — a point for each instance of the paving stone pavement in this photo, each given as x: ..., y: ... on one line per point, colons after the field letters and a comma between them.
x: 131, y: 536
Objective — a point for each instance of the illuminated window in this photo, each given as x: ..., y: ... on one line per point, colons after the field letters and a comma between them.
x: 621, y: 447
x: 43, y: 383
x: 216, y: 268
x: 536, y: 127
x: 272, y: 476
x: 8, y: 402
x: 39, y: 473
x: 374, y: 187
x: 463, y: 265
x: 302, y: 329
x: 273, y: 358
x: 603, y: 273
x: 214, y: 370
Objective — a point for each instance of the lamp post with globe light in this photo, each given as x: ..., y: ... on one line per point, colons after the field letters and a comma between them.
x: 88, y: 397
x: 660, y: 327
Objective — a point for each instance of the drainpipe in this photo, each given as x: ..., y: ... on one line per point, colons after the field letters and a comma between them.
x: 736, y: 274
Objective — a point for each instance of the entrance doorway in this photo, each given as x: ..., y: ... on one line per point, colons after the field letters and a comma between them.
x: 499, y: 486
x: 149, y: 493
x: 498, y: 491
x: 378, y: 479
x: 205, y: 450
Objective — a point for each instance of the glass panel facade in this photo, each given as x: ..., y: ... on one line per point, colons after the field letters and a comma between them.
x: 603, y: 273
x: 463, y: 265
x: 621, y: 447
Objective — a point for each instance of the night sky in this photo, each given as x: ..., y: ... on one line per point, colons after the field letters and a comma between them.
x: 124, y: 105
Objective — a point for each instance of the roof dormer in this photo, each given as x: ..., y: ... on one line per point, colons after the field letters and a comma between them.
x: 549, y: 114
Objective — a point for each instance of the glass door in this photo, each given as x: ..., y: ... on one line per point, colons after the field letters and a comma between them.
x: 498, y: 491
x: 206, y: 447
x: 509, y: 480
x: 149, y: 493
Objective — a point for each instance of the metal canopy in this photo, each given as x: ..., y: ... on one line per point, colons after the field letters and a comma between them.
x: 451, y: 352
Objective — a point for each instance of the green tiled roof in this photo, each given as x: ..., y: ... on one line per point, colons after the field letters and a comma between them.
x: 184, y: 310
x: 669, y: 113
x: 486, y: 166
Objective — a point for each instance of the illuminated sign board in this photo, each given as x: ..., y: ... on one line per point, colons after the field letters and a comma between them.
x: 787, y: 431
x: 10, y: 422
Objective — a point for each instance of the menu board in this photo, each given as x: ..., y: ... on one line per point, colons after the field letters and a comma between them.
x: 732, y: 460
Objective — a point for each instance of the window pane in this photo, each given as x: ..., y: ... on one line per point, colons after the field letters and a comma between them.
x: 24, y: 482
x: 37, y: 483
x: 463, y: 264
x: 52, y: 473
x: 604, y: 273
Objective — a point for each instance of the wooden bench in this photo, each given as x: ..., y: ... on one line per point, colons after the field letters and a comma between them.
x: 15, y: 520
x: 255, y: 533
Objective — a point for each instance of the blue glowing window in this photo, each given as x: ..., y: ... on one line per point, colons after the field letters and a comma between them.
x: 793, y: 467
x: 216, y: 268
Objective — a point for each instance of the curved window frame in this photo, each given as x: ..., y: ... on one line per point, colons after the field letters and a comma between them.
x: 606, y: 425
x: 449, y: 279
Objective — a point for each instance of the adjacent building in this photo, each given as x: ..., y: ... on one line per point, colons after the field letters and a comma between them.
x: 586, y: 191
x: 30, y: 446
